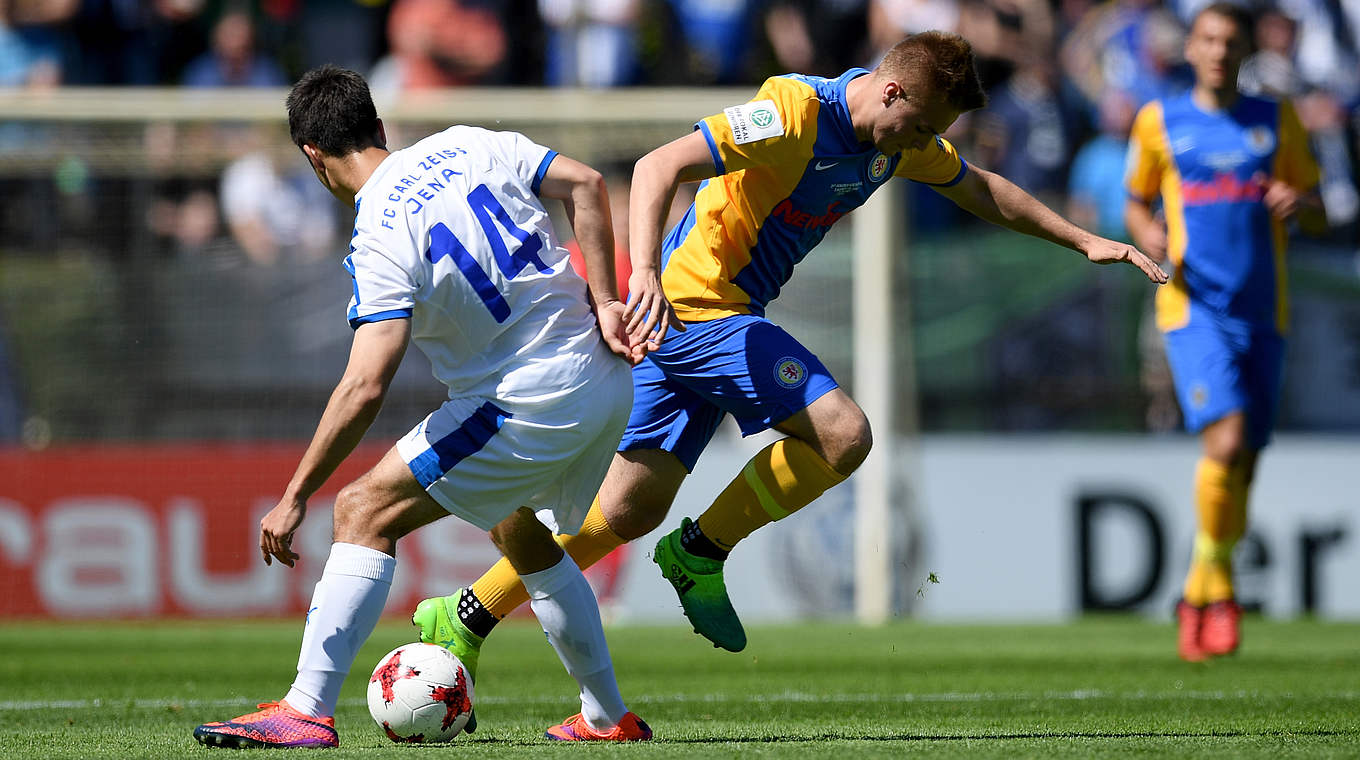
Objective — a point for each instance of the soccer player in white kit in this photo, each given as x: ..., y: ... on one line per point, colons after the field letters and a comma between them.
x: 453, y: 249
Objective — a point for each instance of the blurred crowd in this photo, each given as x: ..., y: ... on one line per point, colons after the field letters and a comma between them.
x: 1065, y: 76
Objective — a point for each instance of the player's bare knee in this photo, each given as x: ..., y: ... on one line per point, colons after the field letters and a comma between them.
x: 1225, y: 439
x: 642, y: 516
x: 853, y: 441
x: 1226, y: 446
x: 639, y: 491
x: 353, y: 517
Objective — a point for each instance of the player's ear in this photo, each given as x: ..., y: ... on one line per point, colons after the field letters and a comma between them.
x: 314, y: 158
x: 891, y: 91
x: 382, y: 135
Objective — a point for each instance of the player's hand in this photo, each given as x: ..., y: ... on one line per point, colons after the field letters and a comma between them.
x: 649, y: 313
x: 1098, y: 250
x: 614, y: 329
x: 1282, y: 201
x: 276, y: 530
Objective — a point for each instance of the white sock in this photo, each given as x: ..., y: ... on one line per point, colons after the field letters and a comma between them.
x: 346, y: 605
x: 566, y: 609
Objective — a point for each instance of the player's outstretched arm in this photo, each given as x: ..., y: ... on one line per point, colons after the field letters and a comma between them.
x: 583, y: 193
x: 373, y: 360
x: 990, y: 196
x: 656, y: 176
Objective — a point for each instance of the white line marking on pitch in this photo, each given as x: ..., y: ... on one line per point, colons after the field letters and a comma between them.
x: 783, y: 697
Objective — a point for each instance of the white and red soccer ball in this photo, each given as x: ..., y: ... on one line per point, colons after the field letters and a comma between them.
x: 420, y: 693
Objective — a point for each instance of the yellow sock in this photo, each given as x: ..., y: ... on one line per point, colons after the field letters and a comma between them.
x: 1239, y: 488
x: 1216, y: 504
x: 500, y: 590
x: 781, y: 479
x: 1212, y: 568
x: 1218, y: 583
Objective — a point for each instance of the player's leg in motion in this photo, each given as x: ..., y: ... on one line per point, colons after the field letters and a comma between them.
x: 1221, y: 629
x: 1208, y: 613
x: 827, y: 441
x: 634, y: 498
x: 370, y: 515
x: 566, y: 608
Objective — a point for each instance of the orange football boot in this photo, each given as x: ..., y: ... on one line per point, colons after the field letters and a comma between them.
x: 1191, y: 622
x: 1221, y: 631
x: 277, y: 724
x: 575, y: 729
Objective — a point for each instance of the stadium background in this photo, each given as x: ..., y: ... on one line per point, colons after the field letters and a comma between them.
x: 171, y: 303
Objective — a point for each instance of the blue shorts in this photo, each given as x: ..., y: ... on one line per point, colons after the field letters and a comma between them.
x: 1221, y: 366
x: 741, y: 365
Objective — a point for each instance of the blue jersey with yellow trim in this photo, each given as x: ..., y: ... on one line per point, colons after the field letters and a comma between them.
x: 789, y: 166
x: 1212, y: 169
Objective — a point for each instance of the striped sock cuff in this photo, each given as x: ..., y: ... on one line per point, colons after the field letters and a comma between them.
x: 1207, y: 549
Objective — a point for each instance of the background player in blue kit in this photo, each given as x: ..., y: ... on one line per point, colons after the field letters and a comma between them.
x: 777, y: 173
x: 453, y: 249
x: 1230, y: 170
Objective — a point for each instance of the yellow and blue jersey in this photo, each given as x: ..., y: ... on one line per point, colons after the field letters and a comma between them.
x: 1211, y: 170
x: 789, y: 166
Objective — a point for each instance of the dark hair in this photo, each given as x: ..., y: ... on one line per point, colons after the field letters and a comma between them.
x: 331, y: 108
x: 942, y: 62
x: 1241, y: 17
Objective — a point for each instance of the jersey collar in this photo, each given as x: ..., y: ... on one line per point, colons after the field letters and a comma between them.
x: 840, y: 109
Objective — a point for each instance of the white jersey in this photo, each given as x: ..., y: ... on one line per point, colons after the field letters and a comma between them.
x: 450, y: 233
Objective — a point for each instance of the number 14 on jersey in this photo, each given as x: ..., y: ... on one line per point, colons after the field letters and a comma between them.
x: 492, y: 217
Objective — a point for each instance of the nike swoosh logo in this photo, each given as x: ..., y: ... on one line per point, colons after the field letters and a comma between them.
x: 822, y: 166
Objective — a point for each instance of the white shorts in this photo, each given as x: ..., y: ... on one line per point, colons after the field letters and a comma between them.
x: 482, y: 460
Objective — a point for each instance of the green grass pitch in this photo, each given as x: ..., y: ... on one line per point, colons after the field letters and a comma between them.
x: 1101, y: 687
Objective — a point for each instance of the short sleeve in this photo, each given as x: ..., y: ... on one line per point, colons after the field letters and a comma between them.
x: 527, y: 159
x: 383, y: 289
x: 1294, y: 162
x: 1147, y: 159
x: 777, y: 126
x: 937, y: 164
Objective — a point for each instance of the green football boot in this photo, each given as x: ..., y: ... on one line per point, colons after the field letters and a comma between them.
x: 437, y: 626
x: 698, y: 581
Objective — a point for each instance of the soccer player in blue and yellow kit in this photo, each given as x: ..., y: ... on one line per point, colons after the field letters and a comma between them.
x: 1230, y: 170
x: 777, y: 172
